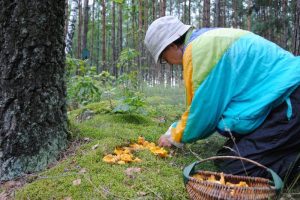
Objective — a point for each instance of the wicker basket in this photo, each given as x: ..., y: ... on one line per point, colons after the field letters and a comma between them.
x: 259, y: 188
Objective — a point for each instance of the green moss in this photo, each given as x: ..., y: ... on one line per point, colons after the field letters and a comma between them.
x: 159, y: 178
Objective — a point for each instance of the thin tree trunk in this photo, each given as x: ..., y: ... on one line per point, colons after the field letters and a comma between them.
x: 103, y: 35
x: 140, y: 30
x: 79, y: 36
x: 120, y: 40
x: 189, y: 13
x: 206, y: 13
x: 66, y: 16
x: 162, y: 8
x: 93, y: 30
x: 284, y: 23
x: 113, y: 38
x: 171, y: 7
x: 217, y: 13
x: 222, y: 13
x: 133, y: 13
x: 71, y: 26
x: 235, y: 13
x: 184, y: 11
x: 33, y: 117
x: 249, y: 15
x: 85, y: 25
x: 153, y: 10
x: 98, y: 40
x: 296, y: 35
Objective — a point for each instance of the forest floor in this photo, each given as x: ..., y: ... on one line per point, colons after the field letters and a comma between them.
x: 82, y: 174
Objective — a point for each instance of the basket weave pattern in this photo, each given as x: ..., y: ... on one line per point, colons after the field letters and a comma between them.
x: 259, y: 188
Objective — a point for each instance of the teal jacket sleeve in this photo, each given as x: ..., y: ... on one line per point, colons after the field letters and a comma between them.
x: 210, y: 101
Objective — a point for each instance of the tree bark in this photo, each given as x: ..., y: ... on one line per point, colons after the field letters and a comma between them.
x: 189, y: 13
x: 162, y: 8
x: 153, y: 10
x: 93, y: 30
x: 249, y: 24
x: 206, y: 13
x: 140, y: 31
x: 71, y: 26
x: 103, y: 36
x: 284, y: 23
x: 296, y: 35
x: 184, y: 11
x: 66, y: 17
x: 33, y: 120
x: 120, y: 32
x: 235, y: 13
x: 85, y: 24
x: 217, y: 13
x: 79, y: 36
x: 113, y: 38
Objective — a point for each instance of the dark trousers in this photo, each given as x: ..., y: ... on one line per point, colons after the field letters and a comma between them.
x: 275, y: 144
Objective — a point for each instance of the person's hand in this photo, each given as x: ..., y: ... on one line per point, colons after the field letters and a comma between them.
x: 164, y: 141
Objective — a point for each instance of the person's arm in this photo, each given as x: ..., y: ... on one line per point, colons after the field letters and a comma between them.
x: 208, y: 103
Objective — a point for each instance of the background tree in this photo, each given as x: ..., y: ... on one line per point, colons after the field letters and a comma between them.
x: 33, y: 128
x: 71, y: 26
x: 79, y: 35
x: 103, y: 35
x: 206, y: 13
x: 85, y: 28
x: 296, y: 35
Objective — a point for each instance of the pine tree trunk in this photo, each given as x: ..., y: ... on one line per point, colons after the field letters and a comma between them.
x: 98, y: 39
x: 79, y: 48
x: 33, y: 119
x: 163, y: 8
x: 235, y: 13
x: 284, y: 23
x: 222, y: 13
x: 296, y: 35
x: 206, y: 13
x: 249, y: 24
x: 189, y: 13
x: 93, y: 30
x: 103, y: 35
x: 85, y: 24
x: 217, y: 14
x: 66, y: 17
x: 153, y: 11
x: 140, y: 34
x: 120, y: 40
x: 71, y: 26
x: 146, y: 55
x: 171, y: 7
x: 184, y: 11
x: 113, y: 38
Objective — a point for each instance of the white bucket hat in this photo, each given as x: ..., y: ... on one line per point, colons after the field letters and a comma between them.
x: 162, y: 32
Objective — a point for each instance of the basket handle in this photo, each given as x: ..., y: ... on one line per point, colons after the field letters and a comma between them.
x: 190, y: 169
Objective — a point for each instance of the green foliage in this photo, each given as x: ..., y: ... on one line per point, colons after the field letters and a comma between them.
x: 127, y: 57
x: 82, y: 87
x: 131, y: 99
x: 119, y: 1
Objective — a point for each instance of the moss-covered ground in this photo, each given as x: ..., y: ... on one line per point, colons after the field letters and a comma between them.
x: 156, y: 178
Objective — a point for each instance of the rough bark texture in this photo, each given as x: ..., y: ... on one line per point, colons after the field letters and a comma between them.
x: 103, y: 35
x: 113, y: 38
x: 85, y: 24
x: 296, y: 35
x: 32, y: 91
x: 206, y: 13
x: 71, y: 26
